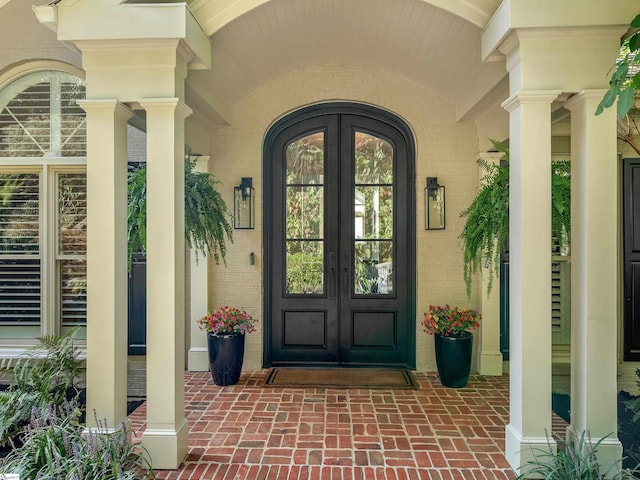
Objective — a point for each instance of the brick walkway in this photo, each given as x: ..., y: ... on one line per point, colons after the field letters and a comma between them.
x: 248, y: 431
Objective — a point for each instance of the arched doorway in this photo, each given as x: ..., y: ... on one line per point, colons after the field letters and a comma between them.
x: 339, y: 239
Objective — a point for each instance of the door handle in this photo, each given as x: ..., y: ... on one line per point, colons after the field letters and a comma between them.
x: 345, y: 269
x: 332, y: 279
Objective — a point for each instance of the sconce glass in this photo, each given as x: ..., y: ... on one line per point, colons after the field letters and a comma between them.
x: 434, y: 218
x: 244, y: 205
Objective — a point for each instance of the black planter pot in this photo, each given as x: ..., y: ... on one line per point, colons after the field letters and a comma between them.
x: 453, y: 358
x: 225, y: 358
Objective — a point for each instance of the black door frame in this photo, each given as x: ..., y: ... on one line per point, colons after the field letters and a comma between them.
x: 307, y: 113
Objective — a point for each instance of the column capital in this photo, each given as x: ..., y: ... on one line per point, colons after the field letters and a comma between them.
x: 492, y: 157
x: 584, y: 97
x: 106, y: 105
x: 529, y: 97
x: 174, y: 103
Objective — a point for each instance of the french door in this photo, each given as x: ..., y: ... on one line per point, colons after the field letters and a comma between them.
x: 340, y: 244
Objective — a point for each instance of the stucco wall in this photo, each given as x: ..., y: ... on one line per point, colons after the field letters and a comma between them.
x: 23, y: 38
x: 445, y: 149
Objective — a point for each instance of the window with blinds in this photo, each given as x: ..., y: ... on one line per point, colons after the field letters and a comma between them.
x: 43, y: 205
x: 39, y: 117
x: 20, y: 261
x: 72, y: 247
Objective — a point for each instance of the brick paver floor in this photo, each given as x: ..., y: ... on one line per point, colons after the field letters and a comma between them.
x: 248, y: 431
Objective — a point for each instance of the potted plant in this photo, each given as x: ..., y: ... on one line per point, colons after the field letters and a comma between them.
x: 486, y: 230
x: 453, y: 341
x: 226, y: 328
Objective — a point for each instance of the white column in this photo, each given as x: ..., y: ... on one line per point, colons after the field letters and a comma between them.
x: 106, y: 261
x: 594, y: 286
x: 167, y: 432
x: 529, y: 274
x: 490, y: 356
x: 198, y: 358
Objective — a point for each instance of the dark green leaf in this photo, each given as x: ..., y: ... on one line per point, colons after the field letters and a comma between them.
x: 635, y: 23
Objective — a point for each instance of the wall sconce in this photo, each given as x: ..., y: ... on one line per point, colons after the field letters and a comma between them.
x: 244, y: 205
x: 434, y: 205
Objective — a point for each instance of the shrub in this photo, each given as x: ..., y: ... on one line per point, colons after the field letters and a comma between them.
x: 575, y: 461
x: 46, y: 374
x: 55, y: 448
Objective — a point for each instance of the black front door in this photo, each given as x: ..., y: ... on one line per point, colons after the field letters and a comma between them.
x: 340, y: 262
x: 631, y: 213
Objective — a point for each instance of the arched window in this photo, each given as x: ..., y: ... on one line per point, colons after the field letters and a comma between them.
x: 39, y: 116
x: 42, y: 205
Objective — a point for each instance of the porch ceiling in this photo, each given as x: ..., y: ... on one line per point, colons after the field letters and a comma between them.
x: 419, y: 41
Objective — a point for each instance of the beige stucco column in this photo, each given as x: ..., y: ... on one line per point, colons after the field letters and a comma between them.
x: 166, y: 436
x: 529, y: 273
x: 106, y: 261
x: 490, y: 361
x: 594, y: 242
x: 197, y: 357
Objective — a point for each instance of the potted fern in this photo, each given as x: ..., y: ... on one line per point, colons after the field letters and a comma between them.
x: 486, y: 230
x: 206, y: 216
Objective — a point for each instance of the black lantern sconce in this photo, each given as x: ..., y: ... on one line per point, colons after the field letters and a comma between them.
x: 244, y: 205
x: 434, y: 205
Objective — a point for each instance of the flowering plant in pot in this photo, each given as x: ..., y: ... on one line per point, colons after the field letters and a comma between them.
x: 450, y: 322
x: 227, y: 321
x: 226, y: 328
x: 453, y: 341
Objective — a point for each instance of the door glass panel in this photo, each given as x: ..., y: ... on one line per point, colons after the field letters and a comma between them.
x: 374, y: 267
x: 304, y: 222
x: 305, y: 207
x: 373, y: 210
x: 373, y: 216
x: 305, y: 160
x: 374, y: 160
x: 304, y: 267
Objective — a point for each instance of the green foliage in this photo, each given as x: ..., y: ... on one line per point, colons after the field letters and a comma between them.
x: 575, y: 461
x: 634, y: 404
x: 206, y: 214
x: 45, y: 374
x: 55, y: 447
x: 625, y: 78
x: 487, y: 227
x: 486, y: 230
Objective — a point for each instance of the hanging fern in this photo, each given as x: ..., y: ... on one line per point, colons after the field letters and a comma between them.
x: 486, y: 230
x: 206, y: 216
x: 487, y: 227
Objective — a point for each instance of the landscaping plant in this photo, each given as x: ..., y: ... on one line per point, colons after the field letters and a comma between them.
x: 572, y: 461
x: 46, y: 374
x: 55, y: 447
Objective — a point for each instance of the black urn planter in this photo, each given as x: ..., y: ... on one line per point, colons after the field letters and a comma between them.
x: 226, y: 353
x: 453, y: 358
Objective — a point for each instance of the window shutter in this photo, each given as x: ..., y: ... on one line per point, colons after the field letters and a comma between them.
x: 20, y: 273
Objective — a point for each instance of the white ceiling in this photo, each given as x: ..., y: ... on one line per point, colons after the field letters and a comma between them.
x: 410, y: 38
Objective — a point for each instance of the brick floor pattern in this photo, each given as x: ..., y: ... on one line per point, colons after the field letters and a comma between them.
x: 249, y: 431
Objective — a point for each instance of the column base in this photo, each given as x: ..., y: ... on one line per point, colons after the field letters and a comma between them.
x: 519, y: 450
x: 490, y: 363
x: 609, y: 450
x: 167, y: 448
x: 198, y: 359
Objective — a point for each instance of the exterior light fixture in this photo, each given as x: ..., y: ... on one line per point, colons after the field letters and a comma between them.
x: 434, y: 218
x: 244, y: 205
